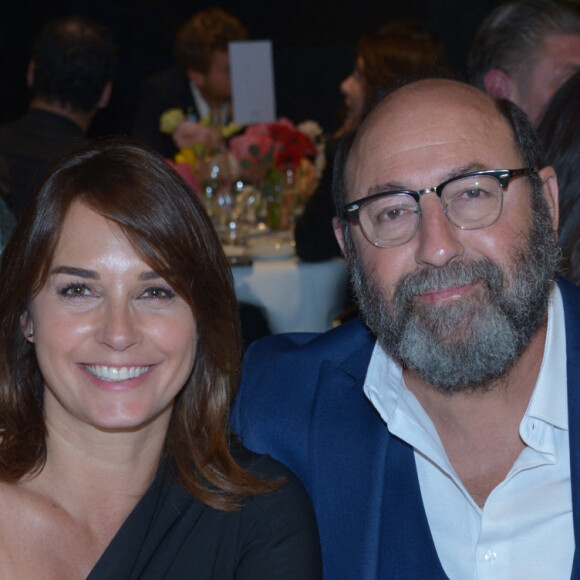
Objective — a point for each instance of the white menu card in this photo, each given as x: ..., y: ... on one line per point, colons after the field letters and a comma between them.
x: 252, y: 74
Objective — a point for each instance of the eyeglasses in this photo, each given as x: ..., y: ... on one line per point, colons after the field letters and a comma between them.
x: 470, y: 201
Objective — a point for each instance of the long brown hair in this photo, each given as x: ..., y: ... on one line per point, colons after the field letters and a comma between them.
x: 166, y: 224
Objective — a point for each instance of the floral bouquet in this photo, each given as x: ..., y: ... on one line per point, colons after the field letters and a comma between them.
x: 266, y: 149
x: 273, y: 157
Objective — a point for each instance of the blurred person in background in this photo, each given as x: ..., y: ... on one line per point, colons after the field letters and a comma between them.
x: 399, y: 51
x: 70, y: 76
x: 524, y: 50
x: 199, y: 85
x: 559, y: 131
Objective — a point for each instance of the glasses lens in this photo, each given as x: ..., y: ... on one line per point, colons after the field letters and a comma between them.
x: 390, y: 220
x: 473, y: 202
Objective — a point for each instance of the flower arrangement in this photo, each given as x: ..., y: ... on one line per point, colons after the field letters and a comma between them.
x: 275, y: 157
x: 266, y: 148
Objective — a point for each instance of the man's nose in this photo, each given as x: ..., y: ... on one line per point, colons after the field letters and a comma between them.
x: 438, y: 242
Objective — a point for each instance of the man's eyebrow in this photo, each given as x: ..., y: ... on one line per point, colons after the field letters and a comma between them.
x: 455, y: 172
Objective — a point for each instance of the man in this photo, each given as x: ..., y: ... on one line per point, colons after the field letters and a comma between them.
x: 525, y: 50
x: 70, y: 77
x: 435, y: 443
x: 200, y: 85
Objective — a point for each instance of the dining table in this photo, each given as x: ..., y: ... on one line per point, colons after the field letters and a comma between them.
x: 295, y: 296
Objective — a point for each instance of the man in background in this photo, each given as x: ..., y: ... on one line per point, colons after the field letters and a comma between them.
x: 525, y: 50
x: 70, y: 76
x: 200, y: 85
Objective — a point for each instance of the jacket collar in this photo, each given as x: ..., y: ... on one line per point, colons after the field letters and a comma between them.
x: 365, y: 478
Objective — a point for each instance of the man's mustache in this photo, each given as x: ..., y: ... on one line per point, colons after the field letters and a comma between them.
x: 454, y: 274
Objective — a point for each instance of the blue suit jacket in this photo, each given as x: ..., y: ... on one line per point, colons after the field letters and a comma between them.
x: 301, y: 400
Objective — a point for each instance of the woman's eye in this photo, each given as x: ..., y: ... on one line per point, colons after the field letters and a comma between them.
x: 75, y: 290
x: 158, y: 293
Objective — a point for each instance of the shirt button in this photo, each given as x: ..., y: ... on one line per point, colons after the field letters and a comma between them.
x: 490, y: 556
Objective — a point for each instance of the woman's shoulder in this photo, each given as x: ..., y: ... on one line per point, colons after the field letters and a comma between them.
x: 290, y: 494
x: 279, y: 526
x: 260, y: 465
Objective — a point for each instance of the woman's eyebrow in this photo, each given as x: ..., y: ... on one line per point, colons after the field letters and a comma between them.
x: 73, y: 271
x: 149, y: 275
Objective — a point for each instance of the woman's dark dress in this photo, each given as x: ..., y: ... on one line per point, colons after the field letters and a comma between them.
x: 172, y: 535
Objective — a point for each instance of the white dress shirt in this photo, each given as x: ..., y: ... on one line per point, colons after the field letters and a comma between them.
x: 202, y: 105
x: 525, y: 528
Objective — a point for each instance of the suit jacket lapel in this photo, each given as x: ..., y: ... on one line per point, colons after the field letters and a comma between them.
x: 367, y: 481
x: 571, y: 298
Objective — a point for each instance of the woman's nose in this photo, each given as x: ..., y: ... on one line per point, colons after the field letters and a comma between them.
x: 345, y: 85
x: 118, y: 327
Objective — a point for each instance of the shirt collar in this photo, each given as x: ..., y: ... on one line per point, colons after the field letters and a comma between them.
x: 549, y: 401
x: 202, y: 106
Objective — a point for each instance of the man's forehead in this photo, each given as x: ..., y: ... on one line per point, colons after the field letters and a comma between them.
x: 428, y: 119
x: 431, y: 103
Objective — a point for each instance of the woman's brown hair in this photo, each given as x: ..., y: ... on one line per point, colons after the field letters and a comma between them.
x: 166, y: 224
x: 398, y: 52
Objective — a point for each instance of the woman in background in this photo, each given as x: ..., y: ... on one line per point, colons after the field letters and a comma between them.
x: 119, y: 355
x: 399, y: 51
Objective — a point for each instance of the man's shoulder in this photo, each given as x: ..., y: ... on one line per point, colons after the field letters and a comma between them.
x: 39, y: 125
x: 570, y: 294
x: 286, y: 369
x: 14, y: 128
x: 302, y: 349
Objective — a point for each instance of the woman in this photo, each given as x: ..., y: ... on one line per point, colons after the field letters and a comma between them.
x: 399, y: 51
x: 119, y: 354
x: 559, y: 131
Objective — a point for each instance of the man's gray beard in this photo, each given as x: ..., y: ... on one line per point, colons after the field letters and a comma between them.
x: 465, y: 344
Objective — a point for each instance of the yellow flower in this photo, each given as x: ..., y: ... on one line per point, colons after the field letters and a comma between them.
x: 186, y: 155
x: 170, y: 120
x: 227, y: 130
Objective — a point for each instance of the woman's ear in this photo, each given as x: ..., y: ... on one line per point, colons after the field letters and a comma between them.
x: 27, y: 326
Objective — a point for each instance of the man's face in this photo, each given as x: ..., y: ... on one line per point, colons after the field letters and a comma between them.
x: 215, y: 85
x: 444, y: 279
x: 559, y: 61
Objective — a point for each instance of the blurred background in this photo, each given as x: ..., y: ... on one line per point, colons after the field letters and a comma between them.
x: 314, y: 45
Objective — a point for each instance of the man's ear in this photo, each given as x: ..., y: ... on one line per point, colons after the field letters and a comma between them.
x: 339, y: 235
x: 27, y: 326
x: 498, y: 84
x: 550, y: 189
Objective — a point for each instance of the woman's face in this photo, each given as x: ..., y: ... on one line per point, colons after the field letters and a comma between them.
x: 352, y: 88
x: 114, y: 342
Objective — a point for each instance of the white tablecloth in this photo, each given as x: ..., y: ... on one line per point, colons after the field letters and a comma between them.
x: 295, y: 296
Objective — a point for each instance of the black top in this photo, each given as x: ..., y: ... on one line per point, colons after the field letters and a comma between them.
x: 31, y: 145
x: 172, y: 535
x: 169, y: 89
x: 314, y: 233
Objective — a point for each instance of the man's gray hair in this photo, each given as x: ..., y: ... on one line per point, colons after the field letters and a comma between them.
x: 512, y: 36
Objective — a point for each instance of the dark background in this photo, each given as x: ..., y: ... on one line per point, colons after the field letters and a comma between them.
x: 314, y: 44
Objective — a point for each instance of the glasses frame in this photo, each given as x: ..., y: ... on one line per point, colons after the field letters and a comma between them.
x: 351, y: 210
